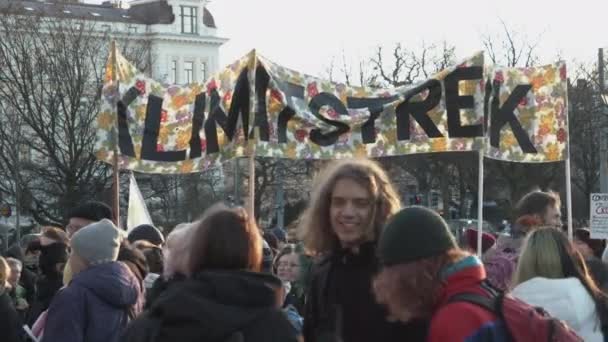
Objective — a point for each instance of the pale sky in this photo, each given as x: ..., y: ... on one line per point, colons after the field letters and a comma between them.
x: 304, y: 35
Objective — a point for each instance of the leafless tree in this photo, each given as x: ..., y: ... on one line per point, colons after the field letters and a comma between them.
x: 588, y: 119
x: 511, y: 48
x: 51, y: 77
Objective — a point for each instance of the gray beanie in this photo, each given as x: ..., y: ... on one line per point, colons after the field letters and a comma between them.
x: 97, y: 243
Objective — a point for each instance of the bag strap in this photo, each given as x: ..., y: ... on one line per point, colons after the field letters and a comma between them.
x: 488, y: 303
x: 493, y: 303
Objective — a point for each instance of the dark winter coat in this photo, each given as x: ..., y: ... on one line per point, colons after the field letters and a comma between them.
x: 340, y: 305
x: 50, y: 280
x: 10, y: 324
x: 214, y: 306
x: 94, y: 307
x: 46, y: 288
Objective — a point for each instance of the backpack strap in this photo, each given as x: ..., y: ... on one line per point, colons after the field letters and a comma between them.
x: 488, y: 303
x: 493, y: 303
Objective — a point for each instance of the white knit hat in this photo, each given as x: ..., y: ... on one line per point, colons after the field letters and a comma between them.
x: 97, y: 243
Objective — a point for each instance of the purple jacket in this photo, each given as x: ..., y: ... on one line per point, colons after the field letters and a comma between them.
x: 94, y: 307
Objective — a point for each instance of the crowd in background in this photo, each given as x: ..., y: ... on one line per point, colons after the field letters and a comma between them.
x: 362, y: 268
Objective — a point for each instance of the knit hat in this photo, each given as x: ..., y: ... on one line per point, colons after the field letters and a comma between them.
x: 146, y: 232
x: 92, y: 211
x: 412, y: 234
x: 487, y: 240
x: 97, y: 243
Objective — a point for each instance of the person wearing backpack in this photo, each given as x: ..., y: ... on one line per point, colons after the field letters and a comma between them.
x: 552, y: 274
x: 422, y: 269
x: 224, y: 296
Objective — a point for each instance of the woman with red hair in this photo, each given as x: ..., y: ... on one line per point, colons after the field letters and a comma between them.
x: 423, y: 268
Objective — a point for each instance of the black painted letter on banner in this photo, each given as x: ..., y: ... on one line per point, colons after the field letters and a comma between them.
x: 217, y: 116
x: 316, y: 103
x: 375, y: 105
x: 418, y: 111
x: 486, y: 104
x: 125, y: 143
x: 151, y: 130
x: 501, y: 116
x: 198, y: 118
x: 261, y: 115
x: 454, y: 102
x: 291, y: 90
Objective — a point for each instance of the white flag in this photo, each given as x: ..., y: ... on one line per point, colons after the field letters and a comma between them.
x: 138, y: 213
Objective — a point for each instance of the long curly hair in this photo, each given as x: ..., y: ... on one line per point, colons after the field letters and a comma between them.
x: 411, y: 290
x: 315, y: 227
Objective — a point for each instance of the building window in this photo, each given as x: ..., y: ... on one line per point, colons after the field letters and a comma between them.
x: 189, y: 72
x: 106, y: 28
x: 189, y: 22
x: 203, y: 72
x: 173, y: 71
x: 25, y: 153
x: 435, y: 197
x: 132, y: 29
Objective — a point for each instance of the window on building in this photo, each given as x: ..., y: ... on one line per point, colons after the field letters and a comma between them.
x: 25, y: 153
x: 189, y: 22
x: 435, y: 198
x: 189, y: 72
x: 132, y: 29
x: 203, y: 72
x: 173, y: 71
x: 106, y: 28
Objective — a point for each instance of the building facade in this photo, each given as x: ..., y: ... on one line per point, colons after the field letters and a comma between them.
x: 181, y: 34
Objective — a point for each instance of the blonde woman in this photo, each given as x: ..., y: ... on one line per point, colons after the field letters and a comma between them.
x: 10, y: 325
x: 553, y: 275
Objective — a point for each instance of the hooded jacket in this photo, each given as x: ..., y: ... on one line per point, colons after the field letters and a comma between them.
x: 462, y: 321
x: 214, y: 306
x: 566, y: 299
x: 500, y: 261
x: 94, y: 306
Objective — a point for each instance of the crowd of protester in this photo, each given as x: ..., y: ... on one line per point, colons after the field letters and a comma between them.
x: 361, y: 268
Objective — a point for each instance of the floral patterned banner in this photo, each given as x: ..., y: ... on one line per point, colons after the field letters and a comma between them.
x: 156, y: 121
x: 256, y: 106
x: 528, y: 114
x: 310, y: 118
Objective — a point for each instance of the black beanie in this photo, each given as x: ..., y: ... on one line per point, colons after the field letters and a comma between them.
x: 92, y: 211
x: 412, y: 234
x: 146, y: 232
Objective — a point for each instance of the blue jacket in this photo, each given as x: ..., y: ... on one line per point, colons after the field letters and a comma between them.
x: 94, y: 307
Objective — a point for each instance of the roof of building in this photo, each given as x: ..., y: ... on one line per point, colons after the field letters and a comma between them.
x: 149, y: 13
